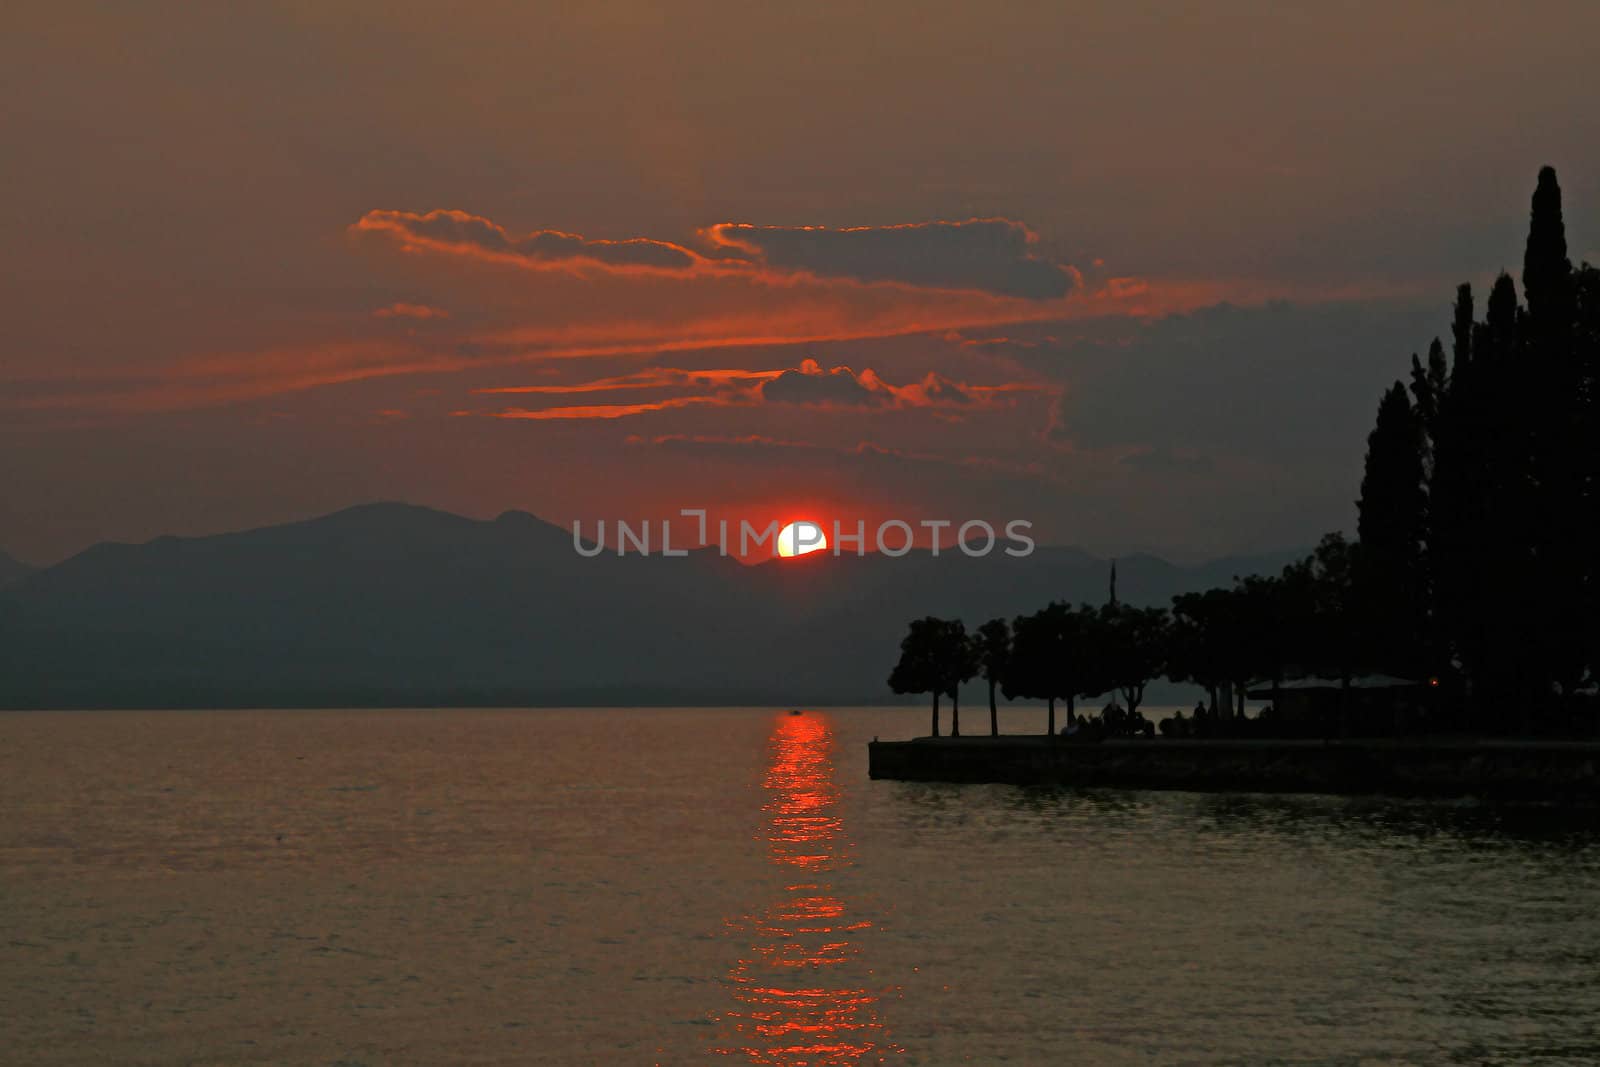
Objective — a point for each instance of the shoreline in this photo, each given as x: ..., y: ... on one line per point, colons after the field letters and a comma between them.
x: 1497, y: 768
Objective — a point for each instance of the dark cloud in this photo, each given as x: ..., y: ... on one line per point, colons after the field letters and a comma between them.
x: 1288, y: 384
x: 1167, y: 461
x: 841, y: 387
x: 990, y: 255
x: 838, y: 387
x: 942, y: 392
x: 995, y: 256
x: 808, y: 385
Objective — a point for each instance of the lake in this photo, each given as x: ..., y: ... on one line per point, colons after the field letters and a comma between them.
x: 727, y: 886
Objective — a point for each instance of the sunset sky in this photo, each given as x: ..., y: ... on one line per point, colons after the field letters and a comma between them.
x: 1138, y: 273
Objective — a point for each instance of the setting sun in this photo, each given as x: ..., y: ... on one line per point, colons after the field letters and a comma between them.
x: 799, y: 538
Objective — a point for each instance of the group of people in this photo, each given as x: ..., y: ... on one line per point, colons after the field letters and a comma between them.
x: 1113, y: 721
x: 1116, y: 721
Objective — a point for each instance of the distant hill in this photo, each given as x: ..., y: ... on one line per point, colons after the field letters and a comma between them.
x: 12, y: 569
x: 391, y: 604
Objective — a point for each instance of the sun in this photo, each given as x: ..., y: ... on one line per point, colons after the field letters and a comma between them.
x: 801, y: 537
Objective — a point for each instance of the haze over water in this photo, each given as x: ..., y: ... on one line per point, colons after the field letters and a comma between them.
x: 723, y: 885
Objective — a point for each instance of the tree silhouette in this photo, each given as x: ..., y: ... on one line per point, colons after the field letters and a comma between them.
x: 993, y: 642
x: 1428, y: 387
x: 1084, y: 668
x: 1514, y: 483
x: 1042, y: 649
x: 1547, y: 281
x: 1132, y: 644
x: 1392, y: 528
x: 959, y: 664
x: 919, y: 670
x: 1559, y: 411
x: 935, y: 657
x: 1586, y: 458
x: 1206, y: 645
x: 1457, y: 494
x: 1477, y: 556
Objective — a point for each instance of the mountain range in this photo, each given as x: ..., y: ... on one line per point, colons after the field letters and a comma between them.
x: 12, y: 570
x: 399, y: 605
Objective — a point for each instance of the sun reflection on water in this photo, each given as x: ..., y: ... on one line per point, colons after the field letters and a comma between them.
x: 804, y: 995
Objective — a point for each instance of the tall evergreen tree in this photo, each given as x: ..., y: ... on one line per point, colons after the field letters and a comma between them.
x: 1392, y: 529
x: 1428, y: 385
x: 1512, y: 484
x: 1586, y: 341
x: 1501, y: 606
x: 1458, y: 497
x: 1500, y: 323
x: 1546, y: 270
x: 1461, y: 329
x: 1554, y: 413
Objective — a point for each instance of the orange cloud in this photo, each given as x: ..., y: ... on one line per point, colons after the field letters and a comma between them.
x: 403, y: 310
x: 990, y: 255
x: 841, y: 387
x: 808, y: 385
x: 459, y: 233
x: 600, y: 411
x: 1123, y: 288
x: 653, y: 377
x: 746, y: 287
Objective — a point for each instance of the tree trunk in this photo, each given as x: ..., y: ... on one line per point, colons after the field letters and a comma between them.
x: 955, y: 712
x: 935, y: 714
x: 1212, y: 692
x: 1052, y: 727
x: 994, y: 715
x: 1072, y: 710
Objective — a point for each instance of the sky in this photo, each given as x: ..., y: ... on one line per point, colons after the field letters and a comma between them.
x: 1136, y: 273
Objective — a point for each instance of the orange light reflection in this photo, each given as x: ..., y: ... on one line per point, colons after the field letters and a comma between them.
x: 804, y: 996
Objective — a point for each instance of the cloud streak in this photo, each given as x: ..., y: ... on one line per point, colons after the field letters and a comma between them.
x: 403, y: 310
x: 652, y: 377
x: 459, y: 232
x: 989, y: 255
x: 993, y: 255
x: 808, y: 385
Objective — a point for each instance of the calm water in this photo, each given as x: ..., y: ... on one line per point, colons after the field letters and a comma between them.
x: 721, y: 886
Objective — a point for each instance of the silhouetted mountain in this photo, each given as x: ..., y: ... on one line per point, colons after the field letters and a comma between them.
x: 12, y: 569
x: 395, y: 604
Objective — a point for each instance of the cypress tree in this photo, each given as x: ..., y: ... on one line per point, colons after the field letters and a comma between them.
x: 1553, y: 413
x: 1461, y: 329
x: 1509, y: 440
x: 1428, y: 386
x: 1586, y: 295
x: 1546, y: 270
x: 1456, y: 497
x: 1391, y: 525
x: 1500, y: 325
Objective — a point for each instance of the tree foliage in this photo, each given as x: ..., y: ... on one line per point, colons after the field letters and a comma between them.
x: 1476, y: 560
